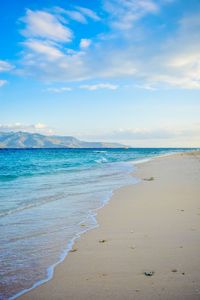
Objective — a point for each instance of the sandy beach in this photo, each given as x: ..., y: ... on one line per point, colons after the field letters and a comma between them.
x: 147, y: 245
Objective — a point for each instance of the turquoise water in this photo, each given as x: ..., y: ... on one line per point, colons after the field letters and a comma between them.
x: 45, y: 196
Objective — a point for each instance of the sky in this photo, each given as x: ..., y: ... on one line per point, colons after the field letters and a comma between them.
x: 105, y: 70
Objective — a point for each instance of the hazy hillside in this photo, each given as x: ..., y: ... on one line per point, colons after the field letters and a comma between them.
x: 35, y: 140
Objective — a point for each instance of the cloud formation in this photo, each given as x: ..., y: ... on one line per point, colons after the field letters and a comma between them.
x: 34, y: 128
x: 183, y: 57
x: 149, y: 134
x: 85, y: 43
x: 5, y: 66
x: 41, y: 24
x: 74, y: 15
x: 177, y: 136
x: 79, y: 14
x: 2, y: 82
x: 88, y: 13
x: 43, y: 49
x: 119, y: 52
x: 89, y: 87
x: 124, y: 13
x: 99, y: 86
x: 59, y: 90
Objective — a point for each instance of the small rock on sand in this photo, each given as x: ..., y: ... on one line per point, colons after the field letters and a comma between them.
x: 174, y: 270
x: 102, y: 241
x: 149, y: 179
x: 149, y: 273
x: 73, y: 250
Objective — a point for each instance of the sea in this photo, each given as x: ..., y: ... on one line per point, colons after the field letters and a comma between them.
x: 48, y: 198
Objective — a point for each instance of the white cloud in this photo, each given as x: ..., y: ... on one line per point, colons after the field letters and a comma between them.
x: 156, y: 133
x: 51, y: 64
x: 86, y: 63
x: 2, y: 82
x: 75, y: 15
x: 126, y: 53
x: 143, y: 133
x: 38, y: 127
x: 124, y: 13
x: 85, y: 43
x: 78, y: 14
x: 41, y: 24
x: 145, y: 87
x: 45, y: 55
x: 44, y: 48
x: 5, y: 66
x: 59, y: 90
x: 88, y: 13
x: 178, y: 64
x: 168, y: 136
x: 99, y: 86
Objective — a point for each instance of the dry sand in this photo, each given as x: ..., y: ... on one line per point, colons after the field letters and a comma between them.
x: 153, y: 226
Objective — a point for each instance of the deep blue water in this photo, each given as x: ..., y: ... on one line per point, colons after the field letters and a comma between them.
x: 46, y: 195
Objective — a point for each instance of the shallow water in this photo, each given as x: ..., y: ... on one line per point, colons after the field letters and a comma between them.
x: 45, y: 196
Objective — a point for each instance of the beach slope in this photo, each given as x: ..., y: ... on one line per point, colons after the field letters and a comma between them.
x: 147, y: 245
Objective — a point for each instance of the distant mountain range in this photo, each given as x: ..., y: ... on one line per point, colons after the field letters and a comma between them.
x: 36, y: 140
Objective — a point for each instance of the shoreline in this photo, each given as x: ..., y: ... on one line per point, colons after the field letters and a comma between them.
x: 91, y: 214
x: 34, y: 293
x: 66, y: 251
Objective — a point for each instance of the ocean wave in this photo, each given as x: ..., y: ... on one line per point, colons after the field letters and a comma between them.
x: 35, y: 204
x: 101, y: 160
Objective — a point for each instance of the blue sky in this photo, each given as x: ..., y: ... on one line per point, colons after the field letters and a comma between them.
x: 110, y: 70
